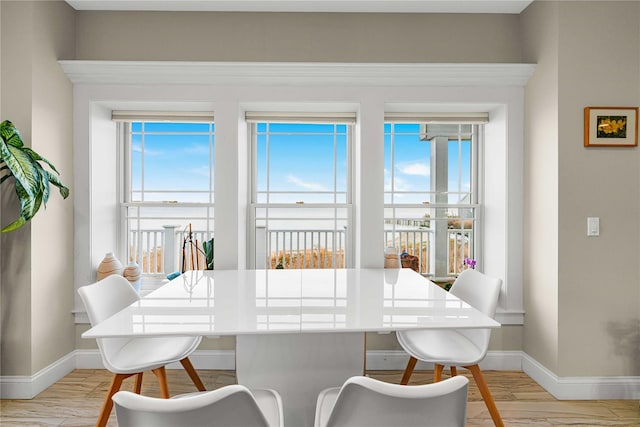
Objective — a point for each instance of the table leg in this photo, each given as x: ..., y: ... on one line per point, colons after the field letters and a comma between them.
x: 299, y: 366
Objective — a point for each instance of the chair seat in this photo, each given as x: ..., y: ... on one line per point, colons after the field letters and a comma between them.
x: 443, y: 346
x: 144, y: 354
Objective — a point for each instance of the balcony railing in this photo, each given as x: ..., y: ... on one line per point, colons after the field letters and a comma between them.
x: 293, y: 249
x: 159, y: 252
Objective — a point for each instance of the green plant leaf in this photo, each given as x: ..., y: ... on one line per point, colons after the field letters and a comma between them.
x: 10, y: 134
x: 44, y: 183
x: 28, y: 208
x: 21, y: 166
x: 64, y: 191
x: 36, y: 156
x: 31, y: 178
x: 28, y: 205
x: 207, y: 245
x: 14, y: 225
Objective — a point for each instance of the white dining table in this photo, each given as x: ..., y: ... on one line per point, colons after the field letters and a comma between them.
x: 297, y: 331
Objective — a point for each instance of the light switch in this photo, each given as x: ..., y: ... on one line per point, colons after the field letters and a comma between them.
x: 593, y: 226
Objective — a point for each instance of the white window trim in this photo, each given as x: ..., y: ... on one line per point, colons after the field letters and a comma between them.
x: 102, y: 86
x: 252, y: 119
x: 476, y: 120
x: 124, y: 119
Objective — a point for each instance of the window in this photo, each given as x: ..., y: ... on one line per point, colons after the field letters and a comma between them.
x: 431, y: 192
x: 301, y: 191
x: 167, y: 195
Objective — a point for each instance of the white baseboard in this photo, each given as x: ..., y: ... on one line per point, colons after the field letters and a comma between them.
x: 563, y: 388
x: 27, y: 387
x: 581, y: 388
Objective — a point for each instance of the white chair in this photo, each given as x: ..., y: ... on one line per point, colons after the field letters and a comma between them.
x: 464, y: 347
x: 364, y: 401
x: 229, y: 406
x: 126, y: 357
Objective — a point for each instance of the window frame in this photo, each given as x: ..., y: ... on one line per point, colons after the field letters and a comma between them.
x: 476, y: 139
x: 124, y: 161
x: 347, y: 119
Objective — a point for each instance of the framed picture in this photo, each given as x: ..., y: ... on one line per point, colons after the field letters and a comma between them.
x: 610, y: 126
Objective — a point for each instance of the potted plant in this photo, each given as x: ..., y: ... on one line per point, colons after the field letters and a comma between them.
x: 31, y: 180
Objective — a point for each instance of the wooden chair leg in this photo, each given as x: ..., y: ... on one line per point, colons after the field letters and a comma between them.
x: 161, y: 373
x: 138, y: 386
x: 486, y: 394
x: 454, y: 371
x: 116, y: 383
x: 186, y: 364
x: 408, y: 370
x: 437, y: 372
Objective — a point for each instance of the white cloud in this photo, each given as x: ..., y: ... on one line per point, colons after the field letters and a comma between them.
x: 400, y: 183
x: 137, y: 148
x: 306, y: 185
x: 417, y: 168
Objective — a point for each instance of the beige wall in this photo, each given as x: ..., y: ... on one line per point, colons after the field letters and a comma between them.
x: 315, y: 37
x: 539, y: 32
x: 598, y: 277
x: 52, y: 229
x: 15, y: 264
x: 581, y: 292
x: 37, y: 261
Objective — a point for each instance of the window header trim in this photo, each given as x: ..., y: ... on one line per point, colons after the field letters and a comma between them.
x: 300, y: 117
x: 438, y: 118
x: 161, y: 116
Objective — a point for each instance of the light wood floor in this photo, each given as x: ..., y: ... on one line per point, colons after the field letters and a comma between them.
x: 76, y: 400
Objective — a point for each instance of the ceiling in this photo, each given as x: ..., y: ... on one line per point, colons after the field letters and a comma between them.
x: 381, y: 6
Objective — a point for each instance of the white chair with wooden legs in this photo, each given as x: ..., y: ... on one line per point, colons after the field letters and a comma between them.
x: 229, y: 406
x: 126, y: 357
x: 463, y: 347
x: 364, y: 401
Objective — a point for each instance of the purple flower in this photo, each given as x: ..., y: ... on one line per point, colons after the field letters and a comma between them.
x: 470, y: 262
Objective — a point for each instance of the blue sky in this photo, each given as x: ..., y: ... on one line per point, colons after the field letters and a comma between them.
x: 170, y: 165
x: 412, y: 164
x: 301, y: 160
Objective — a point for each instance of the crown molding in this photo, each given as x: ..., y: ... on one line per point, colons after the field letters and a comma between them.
x: 294, y: 73
x: 362, y: 6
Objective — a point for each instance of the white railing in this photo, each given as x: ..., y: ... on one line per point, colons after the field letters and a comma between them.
x: 303, y: 248
x: 460, y: 247
x: 146, y: 248
x: 159, y: 252
x: 413, y: 242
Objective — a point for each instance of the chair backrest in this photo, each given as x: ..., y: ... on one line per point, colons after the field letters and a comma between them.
x: 482, y: 293
x: 364, y: 401
x: 478, y: 290
x: 102, y: 300
x: 229, y: 406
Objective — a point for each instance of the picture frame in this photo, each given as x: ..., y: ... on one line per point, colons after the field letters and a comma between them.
x: 610, y: 126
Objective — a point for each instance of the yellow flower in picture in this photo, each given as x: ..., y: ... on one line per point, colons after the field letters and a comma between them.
x: 612, y: 127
